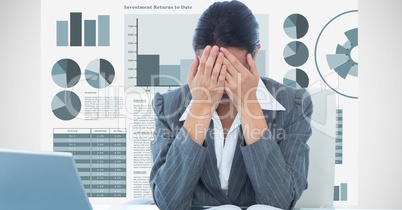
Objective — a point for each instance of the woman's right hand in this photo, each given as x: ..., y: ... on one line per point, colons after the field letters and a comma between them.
x: 207, y: 79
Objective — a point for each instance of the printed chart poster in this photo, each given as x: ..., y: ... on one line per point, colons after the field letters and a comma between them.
x: 103, y: 61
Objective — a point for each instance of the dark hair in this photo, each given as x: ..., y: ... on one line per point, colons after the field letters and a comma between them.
x: 227, y: 24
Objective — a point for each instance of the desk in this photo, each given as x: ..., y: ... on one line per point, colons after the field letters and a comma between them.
x: 153, y: 207
x: 125, y: 207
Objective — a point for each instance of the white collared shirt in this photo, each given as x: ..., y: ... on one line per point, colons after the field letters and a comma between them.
x: 225, y: 149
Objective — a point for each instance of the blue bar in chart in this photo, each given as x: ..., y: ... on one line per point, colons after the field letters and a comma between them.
x: 169, y: 75
x: 62, y: 33
x: 103, y: 30
x: 90, y: 32
x: 261, y: 64
x: 344, y: 191
x: 185, y: 65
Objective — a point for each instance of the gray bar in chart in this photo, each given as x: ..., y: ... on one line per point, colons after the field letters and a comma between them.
x: 103, y: 30
x: 148, y: 70
x: 62, y: 33
x: 169, y: 75
x: 90, y: 32
x: 75, y: 29
x: 336, y: 193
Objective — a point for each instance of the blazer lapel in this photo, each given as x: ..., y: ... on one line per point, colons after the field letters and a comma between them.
x: 210, y: 174
x: 238, y: 173
x: 186, y: 97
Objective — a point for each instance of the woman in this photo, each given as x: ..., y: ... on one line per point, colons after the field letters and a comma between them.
x: 229, y: 136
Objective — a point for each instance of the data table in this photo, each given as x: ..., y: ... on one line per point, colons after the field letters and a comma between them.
x: 100, y: 157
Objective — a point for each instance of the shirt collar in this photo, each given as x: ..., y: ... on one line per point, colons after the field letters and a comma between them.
x: 264, y: 97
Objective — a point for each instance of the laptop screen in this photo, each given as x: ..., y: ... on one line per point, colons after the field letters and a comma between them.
x: 40, y: 180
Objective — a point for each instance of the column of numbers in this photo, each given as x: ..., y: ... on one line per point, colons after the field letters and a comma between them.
x: 117, y: 163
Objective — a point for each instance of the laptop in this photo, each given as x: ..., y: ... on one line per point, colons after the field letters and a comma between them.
x: 40, y: 181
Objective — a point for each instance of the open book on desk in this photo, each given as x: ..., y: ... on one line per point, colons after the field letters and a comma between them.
x: 253, y: 207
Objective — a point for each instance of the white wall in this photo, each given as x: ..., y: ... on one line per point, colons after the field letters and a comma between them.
x: 20, y: 74
x: 380, y: 140
x: 380, y: 145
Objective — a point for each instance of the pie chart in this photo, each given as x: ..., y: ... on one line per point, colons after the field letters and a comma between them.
x: 99, y: 73
x: 295, y: 53
x: 296, y: 78
x: 66, y: 105
x: 295, y: 26
x: 66, y: 73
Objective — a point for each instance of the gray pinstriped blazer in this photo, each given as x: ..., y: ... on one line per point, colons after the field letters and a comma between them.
x: 271, y: 171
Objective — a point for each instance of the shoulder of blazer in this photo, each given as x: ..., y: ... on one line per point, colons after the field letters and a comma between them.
x: 172, y: 104
x: 285, y: 95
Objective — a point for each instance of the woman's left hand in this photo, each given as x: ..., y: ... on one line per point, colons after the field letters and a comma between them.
x: 241, y: 85
x: 241, y: 82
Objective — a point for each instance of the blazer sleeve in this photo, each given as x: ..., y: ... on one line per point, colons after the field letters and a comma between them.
x: 177, y: 162
x: 278, y: 170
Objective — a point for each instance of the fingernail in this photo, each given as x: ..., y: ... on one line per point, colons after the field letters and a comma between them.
x: 223, y: 49
x: 215, y: 48
x: 220, y: 55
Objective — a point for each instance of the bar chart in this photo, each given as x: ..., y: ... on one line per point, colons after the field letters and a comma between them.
x: 341, y: 192
x: 149, y: 43
x: 77, y: 32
